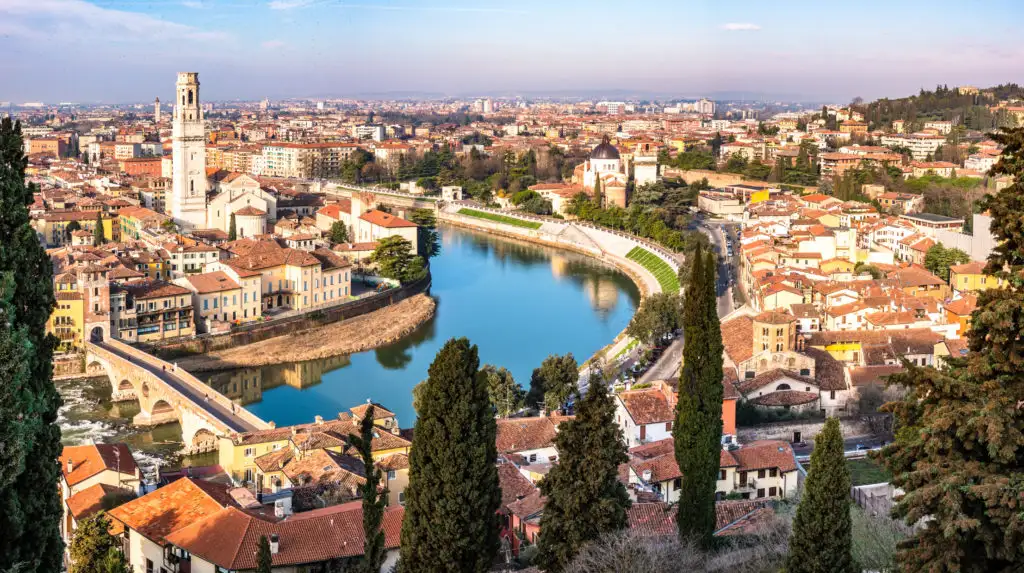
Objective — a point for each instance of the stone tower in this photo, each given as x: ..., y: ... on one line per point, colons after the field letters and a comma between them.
x: 188, y: 147
x: 156, y: 110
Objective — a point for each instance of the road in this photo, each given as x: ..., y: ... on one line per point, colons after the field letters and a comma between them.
x: 213, y: 409
x: 849, y: 444
x: 668, y: 365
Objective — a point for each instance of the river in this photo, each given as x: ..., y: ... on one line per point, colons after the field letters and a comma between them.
x: 518, y: 302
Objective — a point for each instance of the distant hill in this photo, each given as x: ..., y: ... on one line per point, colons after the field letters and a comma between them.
x: 972, y: 110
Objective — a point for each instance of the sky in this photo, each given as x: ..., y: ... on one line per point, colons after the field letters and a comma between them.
x: 124, y: 51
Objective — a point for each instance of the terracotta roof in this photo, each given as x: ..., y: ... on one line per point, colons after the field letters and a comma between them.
x: 738, y: 338
x: 659, y: 518
x: 155, y: 289
x: 230, y: 538
x: 971, y: 268
x: 387, y: 220
x: 963, y: 306
x: 514, y: 485
x: 828, y: 372
x: 873, y: 375
x: 250, y: 211
x: 775, y: 317
x: 518, y: 434
x: 770, y: 377
x: 765, y: 454
x: 172, y: 507
x: 379, y: 412
x: 217, y: 281
x: 89, y: 501
x: 647, y: 406
x: 394, y: 462
x: 87, y: 461
x: 529, y: 506
x: 785, y: 398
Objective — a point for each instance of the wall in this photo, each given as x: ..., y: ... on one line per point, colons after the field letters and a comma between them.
x: 784, y: 430
x: 255, y: 332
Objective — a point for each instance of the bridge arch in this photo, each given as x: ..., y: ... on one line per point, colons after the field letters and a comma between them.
x: 145, y: 390
x: 97, y: 333
x: 125, y: 385
x: 161, y: 407
x: 202, y: 439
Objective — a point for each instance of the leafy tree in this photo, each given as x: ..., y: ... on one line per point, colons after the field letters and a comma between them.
x: 507, y: 397
x: 451, y: 520
x: 98, y: 236
x: 938, y: 259
x: 71, y: 228
x: 426, y: 232
x: 30, y: 519
x: 659, y: 315
x: 94, y: 550
x: 264, y: 558
x: 585, y: 497
x: 956, y: 453
x: 554, y: 382
x: 232, y: 229
x: 338, y: 233
x: 395, y: 260
x: 698, y: 429
x: 821, y: 539
x: 169, y: 226
x: 374, y: 500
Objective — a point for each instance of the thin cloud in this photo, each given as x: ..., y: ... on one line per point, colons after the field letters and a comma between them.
x: 289, y: 4
x: 192, y: 4
x: 83, y: 21
x: 295, y: 4
x: 740, y: 27
x: 273, y: 44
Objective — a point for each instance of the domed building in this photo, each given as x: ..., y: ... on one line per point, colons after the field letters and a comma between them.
x: 605, y: 164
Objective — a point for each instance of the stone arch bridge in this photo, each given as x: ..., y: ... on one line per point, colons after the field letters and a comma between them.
x: 169, y: 394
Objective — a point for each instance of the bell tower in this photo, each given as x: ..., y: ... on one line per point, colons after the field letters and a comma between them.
x: 188, y: 147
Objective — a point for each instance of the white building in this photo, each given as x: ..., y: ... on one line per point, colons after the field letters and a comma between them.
x: 188, y: 196
x: 645, y: 415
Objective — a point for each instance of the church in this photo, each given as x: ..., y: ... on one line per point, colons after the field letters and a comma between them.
x: 605, y: 165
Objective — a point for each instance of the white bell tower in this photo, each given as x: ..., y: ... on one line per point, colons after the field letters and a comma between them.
x: 188, y: 199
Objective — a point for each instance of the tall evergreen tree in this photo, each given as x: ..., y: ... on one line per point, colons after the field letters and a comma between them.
x: 598, y: 195
x: 264, y: 558
x: 232, y: 229
x: 451, y: 520
x: 585, y: 497
x: 698, y: 429
x: 30, y: 509
x: 98, y: 236
x: 821, y: 539
x: 374, y: 501
x: 957, y: 450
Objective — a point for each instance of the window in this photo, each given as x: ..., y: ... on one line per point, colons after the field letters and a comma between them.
x: 206, y: 304
x: 668, y: 426
x: 677, y: 483
x: 773, y: 491
x: 760, y: 474
x: 721, y: 474
x: 760, y: 492
x: 215, y: 302
x: 391, y: 474
x: 643, y: 432
x: 249, y: 452
x: 248, y: 474
x: 149, y: 565
x: 773, y: 472
x: 832, y: 395
x: 533, y: 458
x: 805, y: 371
x: 401, y: 498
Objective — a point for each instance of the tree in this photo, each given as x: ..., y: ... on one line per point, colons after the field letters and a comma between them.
x: 698, y: 429
x: 232, y: 229
x: 395, y: 260
x: 451, y: 520
x: 169, y: 226
x: 938, y: 259
x: 659, y: 315
x: 71, y: 228
x: 98, y: 236
x: 426, y: 232
x: 264, y: 558
x: 598, y: 195
x: 585, y: 497
x: 94, y: 550
x: 30, y: 519
x: 507, y: 397
x: 554, y: 382
x: 821, y: 539
x: 960, y: 429
x: 374, y: 500
x: 338, y: 233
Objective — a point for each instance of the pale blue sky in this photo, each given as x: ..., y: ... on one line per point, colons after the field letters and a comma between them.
x: 129, y: 50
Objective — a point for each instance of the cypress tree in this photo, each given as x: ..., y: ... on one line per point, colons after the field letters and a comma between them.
x: 264, y: 559
x: 697, y: 432
x: 585, y: 497
x: 957, y: 448
x: 98, y: 236
x: 821, y: 541
x: 30, y: 509
x: 451, y: 520
x: 232, y: 229
x: 373, y: 500
x: 598, y: 196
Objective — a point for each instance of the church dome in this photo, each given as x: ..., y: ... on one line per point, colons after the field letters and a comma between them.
x: 604, y: 150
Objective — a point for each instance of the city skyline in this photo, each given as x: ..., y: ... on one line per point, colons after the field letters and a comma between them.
x: 117, y: 52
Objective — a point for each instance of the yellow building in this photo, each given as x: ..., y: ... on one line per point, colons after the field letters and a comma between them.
x: 244, y: 457
x: 832, y: 266
x: 970, y: 277
x: 132, y: 220
x: 52, y: 226
x: 67, y: 320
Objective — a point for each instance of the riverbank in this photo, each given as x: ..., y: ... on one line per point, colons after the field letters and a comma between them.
x: 358, y: 334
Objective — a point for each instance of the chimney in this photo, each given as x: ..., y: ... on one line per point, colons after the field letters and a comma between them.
x: 272, y: 424
x: 318, y: 419
x: 274, y: 544
x: 71, y: 466
x: 646, y: 475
